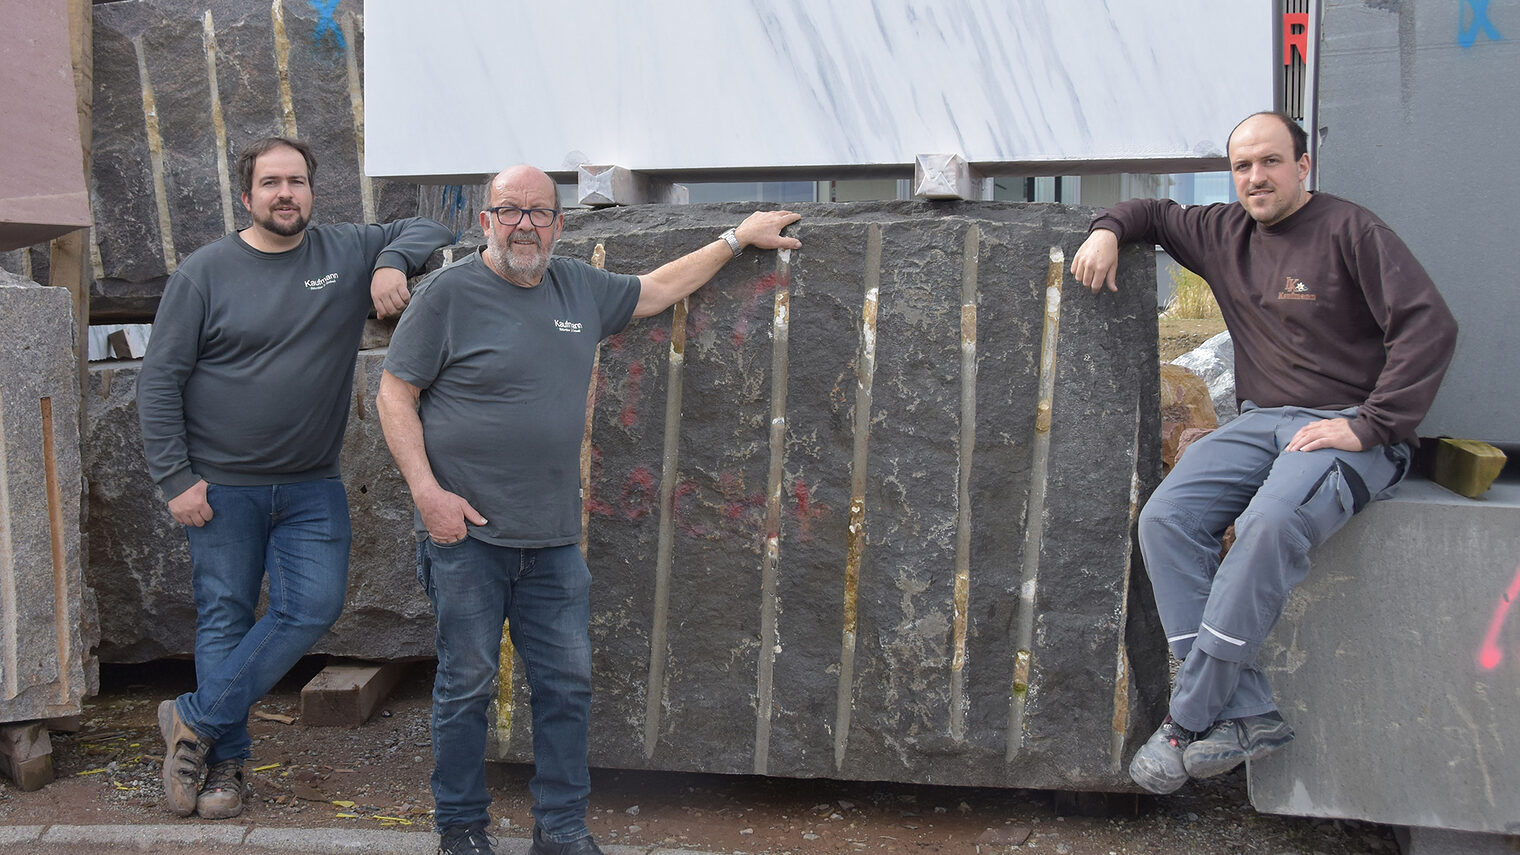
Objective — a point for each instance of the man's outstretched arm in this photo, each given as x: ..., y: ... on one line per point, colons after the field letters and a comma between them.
x: 660, y: 289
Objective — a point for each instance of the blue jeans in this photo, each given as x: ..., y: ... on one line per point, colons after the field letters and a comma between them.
x: 296, y: 534
x: 544, y: 596
x: 1283, y: 504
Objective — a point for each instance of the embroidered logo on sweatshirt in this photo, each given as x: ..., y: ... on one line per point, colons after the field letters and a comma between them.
x: 1295, y: 289
x: 319, y: 284
x: 567, y: 326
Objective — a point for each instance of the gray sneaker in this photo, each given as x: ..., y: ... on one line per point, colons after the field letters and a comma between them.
x: 1235, y: 740
x: 222, y: 795
x: 1157, y: 766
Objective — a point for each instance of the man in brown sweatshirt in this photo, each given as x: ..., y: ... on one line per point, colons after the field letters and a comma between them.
x: 1341, y: 341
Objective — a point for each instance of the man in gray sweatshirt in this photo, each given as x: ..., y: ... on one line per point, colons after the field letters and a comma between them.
x: 243, y: 398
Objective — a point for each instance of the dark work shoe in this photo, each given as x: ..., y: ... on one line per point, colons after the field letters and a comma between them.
x: 465, y: 840
x: 1235, y: 740
x: 544, y: 846
x: 1157, y: 766
x: 184, y: 760
x: 222, y: 795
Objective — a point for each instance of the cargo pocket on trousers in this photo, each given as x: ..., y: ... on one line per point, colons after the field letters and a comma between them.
x: 1332, y: 501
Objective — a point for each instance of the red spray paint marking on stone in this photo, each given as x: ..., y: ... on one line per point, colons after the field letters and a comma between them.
x: 764, y: 285
x: 638, y: 493
x: 1489, y: 654
x: 630, y: 414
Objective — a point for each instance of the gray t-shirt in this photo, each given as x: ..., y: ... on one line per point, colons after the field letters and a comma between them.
x: 504, y: 372
x: 248, y: 375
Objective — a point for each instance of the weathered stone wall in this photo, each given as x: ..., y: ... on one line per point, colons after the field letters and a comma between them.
x: 47, y: 621
x: 975, y: 620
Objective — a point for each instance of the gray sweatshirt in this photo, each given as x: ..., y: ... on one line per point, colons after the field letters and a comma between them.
x: 250, y: 367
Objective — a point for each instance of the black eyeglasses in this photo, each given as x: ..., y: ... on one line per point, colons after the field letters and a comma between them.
x: 511, y: 215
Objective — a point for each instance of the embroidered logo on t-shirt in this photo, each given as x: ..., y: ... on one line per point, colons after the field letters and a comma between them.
x: 567, y: 326
x: 319, y: 284
x: 1295, y: 289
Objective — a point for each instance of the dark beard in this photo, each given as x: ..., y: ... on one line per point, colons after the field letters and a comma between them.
x: 270, y: 224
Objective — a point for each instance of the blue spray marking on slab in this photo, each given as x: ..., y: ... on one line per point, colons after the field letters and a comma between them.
x: 1467, y: 36
x: 454, y: 203
x: 326, y: 23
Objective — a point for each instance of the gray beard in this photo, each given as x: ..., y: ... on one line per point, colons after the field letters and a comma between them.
x: 503, y: 259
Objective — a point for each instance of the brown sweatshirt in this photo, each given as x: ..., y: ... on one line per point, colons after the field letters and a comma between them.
x: 1326, y: 309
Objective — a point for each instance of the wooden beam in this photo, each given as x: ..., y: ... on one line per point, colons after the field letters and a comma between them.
x: 346, y: 694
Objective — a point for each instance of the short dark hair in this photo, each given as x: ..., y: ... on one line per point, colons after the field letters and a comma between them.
x: 253, y: 151
x: 1299, y: 135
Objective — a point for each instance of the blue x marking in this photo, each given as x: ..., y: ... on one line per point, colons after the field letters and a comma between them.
x: 326, y: 23
x: 1468, y: 36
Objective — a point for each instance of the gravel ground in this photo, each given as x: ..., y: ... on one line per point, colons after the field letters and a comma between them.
x: 375, y: 777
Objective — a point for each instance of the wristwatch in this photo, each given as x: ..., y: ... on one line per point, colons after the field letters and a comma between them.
x: 733, y: 242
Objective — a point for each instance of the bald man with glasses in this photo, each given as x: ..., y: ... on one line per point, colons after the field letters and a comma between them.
x: 483, y: 405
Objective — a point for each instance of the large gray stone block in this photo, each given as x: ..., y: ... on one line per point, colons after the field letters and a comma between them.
x: 1398, y: 664
x: 748, y: 666
x: 1001, y: 635
x: 47, y: 621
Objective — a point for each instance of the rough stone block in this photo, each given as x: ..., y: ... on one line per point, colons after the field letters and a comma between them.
x: 974, y: 620
x: 158, y: 50
x: 46, y: 625
x: 1185, y: 406
x: 1398, y: 664
x: 933, y: 582
x: 139, y: 564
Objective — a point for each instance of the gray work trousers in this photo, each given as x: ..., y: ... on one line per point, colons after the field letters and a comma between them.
x: 1217, y: 613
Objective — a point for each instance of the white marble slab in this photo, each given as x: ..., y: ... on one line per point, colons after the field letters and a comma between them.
x: 464, y: 87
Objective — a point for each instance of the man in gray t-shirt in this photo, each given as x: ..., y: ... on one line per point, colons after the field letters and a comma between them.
x: 483, y: 403
x: 243, y: 397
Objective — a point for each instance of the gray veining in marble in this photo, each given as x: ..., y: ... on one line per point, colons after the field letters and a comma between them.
x: 696, y: 85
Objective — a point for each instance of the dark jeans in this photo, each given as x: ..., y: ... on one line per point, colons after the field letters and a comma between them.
x: 543, y: 595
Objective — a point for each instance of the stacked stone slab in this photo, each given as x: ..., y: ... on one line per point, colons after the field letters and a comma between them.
x: 992, y: 644
x: 157, y: 180
x: 47, y: 624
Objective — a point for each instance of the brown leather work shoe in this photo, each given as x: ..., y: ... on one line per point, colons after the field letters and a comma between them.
x: 222, y: 797
x: 184, y: 760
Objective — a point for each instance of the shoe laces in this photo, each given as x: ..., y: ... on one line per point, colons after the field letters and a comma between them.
x: 1177, y: 735
x: 226, y: 775
x: 466, y: 840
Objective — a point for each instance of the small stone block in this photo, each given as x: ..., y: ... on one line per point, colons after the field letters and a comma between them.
x: 26, y: 755
x: 346, y: 695
x: 1466, y: 466
x: 945, y: 176
x: 600, y: 186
